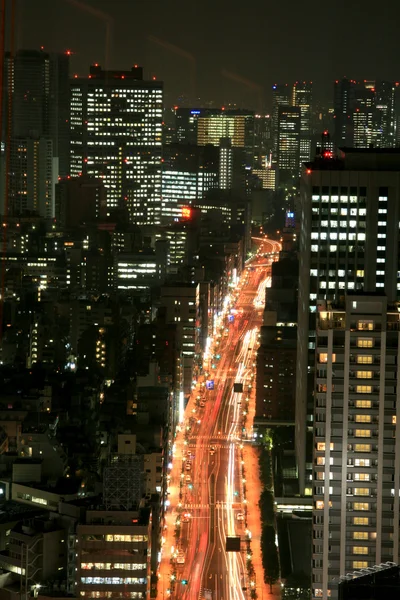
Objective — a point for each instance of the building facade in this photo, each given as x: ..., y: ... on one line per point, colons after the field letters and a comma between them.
x: 356, y: 461
x: 348, y: 242
x: 116, y: 135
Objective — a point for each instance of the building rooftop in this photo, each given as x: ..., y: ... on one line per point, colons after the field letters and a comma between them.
x: 382, y: 581
x: 358, y: 159
x: 11, y: 510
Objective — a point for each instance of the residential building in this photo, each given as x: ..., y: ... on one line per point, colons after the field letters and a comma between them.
x: 356, y: 460
x: 116, y: 131
x: 182, y: 305
x: 37, y: 85
x: 348, y: 242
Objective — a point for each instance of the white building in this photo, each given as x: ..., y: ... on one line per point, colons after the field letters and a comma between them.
x: 356, y: 462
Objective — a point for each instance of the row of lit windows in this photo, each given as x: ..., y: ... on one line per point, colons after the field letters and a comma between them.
x: 108, y: 566
x: 113, y: 580
x: 362, y: 506
x: 334, y: 236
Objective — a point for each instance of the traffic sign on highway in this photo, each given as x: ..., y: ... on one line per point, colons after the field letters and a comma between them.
x: 210, y: 384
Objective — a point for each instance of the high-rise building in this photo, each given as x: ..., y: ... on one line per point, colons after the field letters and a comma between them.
x: 364, y: 114
x: 343, y: 112
x: 116, y: 135
x: 356, y: 462
x: 237, y: 125
x: 186, y: 124
x: 385, y: 113
x: 37, y: 98
x: 349, y: 241
x: 189, y: 171
x: 289, y: 124
x: 302, y: 97
x: 33, y: 176
x: 281, y: 96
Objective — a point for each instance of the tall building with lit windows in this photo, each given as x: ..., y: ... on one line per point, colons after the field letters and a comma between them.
x: 281, y: 96
x: 116, y: 131
x: 188, y: 172
x: 349, y: 240
x: 302, y: 97
x: 356, y: 449
x: 289, y: 126
x: 36, y: 125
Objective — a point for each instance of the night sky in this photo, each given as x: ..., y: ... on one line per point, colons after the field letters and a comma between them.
x: 223, y: 50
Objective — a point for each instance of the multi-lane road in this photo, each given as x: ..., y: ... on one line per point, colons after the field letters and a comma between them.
x: 212, y: 504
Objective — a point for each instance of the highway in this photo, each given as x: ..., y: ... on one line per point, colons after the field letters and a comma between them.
x: 211, y: 504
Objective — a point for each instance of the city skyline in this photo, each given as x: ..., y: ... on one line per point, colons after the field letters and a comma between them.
x: 171, y: 44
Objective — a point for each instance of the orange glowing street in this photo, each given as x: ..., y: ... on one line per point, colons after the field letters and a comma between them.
x: 213, y: 459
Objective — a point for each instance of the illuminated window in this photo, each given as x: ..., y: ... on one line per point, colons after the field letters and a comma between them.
x: 364, y: 359
x: 362, y: 447
x: 362, y: 462
x: 360, y: 273
x: 365, y: 433
x: 364, y: 389
x: 360, y: 564
x: 323, y: 357
x: 394, y: 419
x: 364, y: 374
x: 361, y: 476
x: 365, y: 342
x: 365, y: 325
x: 360, y: 505
x: 363, y: 404
x: 321, y: 446
x: 363, y: 418
x: 360, y: 520
x: 360, y: 549
x: 361, y: 491
x: 319, y: 504
x: 320, y: 460
x: 360, y: 535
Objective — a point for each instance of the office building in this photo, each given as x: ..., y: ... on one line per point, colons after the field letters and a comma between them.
x: 364, y: 114
x: 350, y: 211
x: 262, y: 138
x: 237, y: 125
x: 112, y: 554
x: 343, y: 112
x: 140, y: 271
x: 281, y: 96
x: 189, y: 171
x: 289, y: 125
x: 302, y: 97
x: 356, y: 460
x: 186, y: 124
x: 116, y: 131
